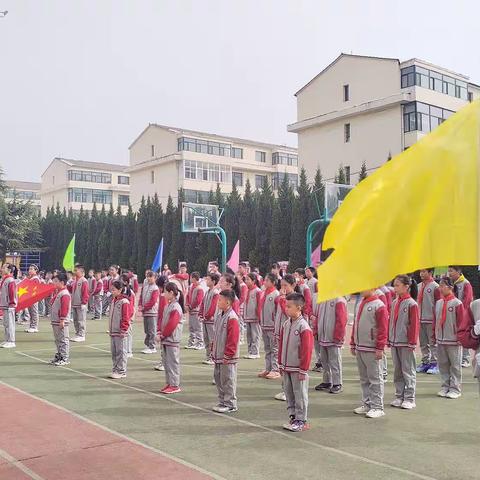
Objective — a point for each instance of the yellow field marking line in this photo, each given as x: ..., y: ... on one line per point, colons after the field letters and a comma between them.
x: 336, y: 451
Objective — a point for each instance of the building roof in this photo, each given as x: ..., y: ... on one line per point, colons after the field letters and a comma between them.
x: 337, y: 59
x: 20, y: 185
x: 219, y: 138
x: 109, y: 167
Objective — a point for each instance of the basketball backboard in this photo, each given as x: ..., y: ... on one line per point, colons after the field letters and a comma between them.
x: 335, y: 194
x: 198, y: 215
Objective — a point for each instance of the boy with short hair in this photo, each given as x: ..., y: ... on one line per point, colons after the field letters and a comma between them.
x: 207, y: 314
x: 225, y: 353
x: 80, y: 297
x: 60, y: 319
x: 97, y: 296
x: 92, y: 283
x: 193, y: 302
x: 294, y: 356
x: 148, y: 305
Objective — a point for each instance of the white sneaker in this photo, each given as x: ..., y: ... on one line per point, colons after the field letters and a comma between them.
x: 159, y: 367
x: 361, y: 410
x: 116, y: 375
x: 408, y: 405
x: 442, y: 393
x: 199, y: 347
x: 396, y: 403
x: 77, y: 339
x: 189, y: 347
x: 281, y: 396
x: 8, y: 345
x: 375, y: 413
x: 148, y: 351
x: 2, y: 344
x: 208, y: 362
x: 129, y: 355
x: 31, y: 330
x: 453, y: 395
x: 251, y: 357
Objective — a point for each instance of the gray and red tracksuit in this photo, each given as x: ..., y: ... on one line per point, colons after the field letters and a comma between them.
x: 133, y: 282
x: 207, y: 314
x: 33, y: 309
x: 92, y: 284
x: 402, y: 338
x: 182, y: 279
x: 464, y: 292
x: 120, y: 318
x: 449, y: 312
x: 60, y: 312
x: 307, y: 295
x: 369, y: 335
x: 170, y: 335
x: 8, y: 303
x: 241, y: 301
x: 330, y: 320
x: 225, y: 354
x: 428, y: 296
x: 267, y: 323
x: 149, y: 303
x: 193, y: 301
x: 251, y: 315
x: 80, y: 297
x: 97, y: 300
x: 294, y: 356
x: 384, y: 298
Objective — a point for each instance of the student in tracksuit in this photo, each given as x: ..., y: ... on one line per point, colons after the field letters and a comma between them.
x: 48, y: 300
x: 207, y: 314
x: 449, y: 312
x: 120, y: 317
x: 330, y: 320
x: 105, y: 289
x: 229, y: 282
x: 225, y: 352
x: 60, y: 319
x: 380, y: 293
x: 97, y: 297
x: 474, y: 314
x: 128, y: 293
x: 267, y: 323
x: 242, y: 286
x: 464, y: 292
x: 8, y: 303
x: 402, y: 338
x: 114, y: 273
x: 162, y: 305
x: 170, y: 336
x: 311, y: 282
x: 369, y: 338
x: 80, y: 297
x: 294, y: 356
x: 33, y: 309
x: 428, y: 296
x: 194, y: 300
x: 252, y: 306
x: 92, y: 283
x: 148, y: 305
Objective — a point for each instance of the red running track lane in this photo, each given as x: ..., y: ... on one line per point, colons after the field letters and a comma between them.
x: 44, y: 442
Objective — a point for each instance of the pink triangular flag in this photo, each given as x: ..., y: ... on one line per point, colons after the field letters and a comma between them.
x: 235, y: 258
x: 315, y: 257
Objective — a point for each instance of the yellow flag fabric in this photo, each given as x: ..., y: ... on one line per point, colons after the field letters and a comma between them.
x: 419, y: 210
x: 69, y: 257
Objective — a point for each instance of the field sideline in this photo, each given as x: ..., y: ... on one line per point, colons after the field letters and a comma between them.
x: 438, y: 440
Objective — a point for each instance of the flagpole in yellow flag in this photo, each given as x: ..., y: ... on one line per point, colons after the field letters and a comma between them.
x: 417, y: 211
x: 69, y: 257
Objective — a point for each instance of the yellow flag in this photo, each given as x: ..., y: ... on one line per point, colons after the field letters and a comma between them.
x: 419, y: 210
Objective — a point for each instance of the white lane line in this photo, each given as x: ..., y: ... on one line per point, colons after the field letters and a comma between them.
x: 336, y: 451
x: 106, y: 429
x: 18, y: 464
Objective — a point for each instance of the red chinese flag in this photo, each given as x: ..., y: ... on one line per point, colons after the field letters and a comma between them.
x: 30, y: 292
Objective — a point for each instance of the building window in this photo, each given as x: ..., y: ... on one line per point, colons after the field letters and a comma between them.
x: 21, y: 195
x: 260, y: 181
x: 260, y: 156
x: 346, y: 132
x: 423, y: 117
x: 210, y: 172
x: 346, y: 93
x: 92, y: 177
x: 152, y: 176
x: 346, y: 169
x: 123, y: 180
x: 123, y: 200
x: 423, y: 77
x: 237, y: 179
x: 204, y: 146
x: 237, y: 152
x: 278, y: 177
x: 89, y: 195
x: 279, y: 158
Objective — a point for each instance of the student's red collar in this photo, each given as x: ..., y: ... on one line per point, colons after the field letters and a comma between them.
x: 8, y: 275
x: 252, y: 287
x: 370, y: 299
x: 268, y: 291
x: 405, y: 296
x: 449, y: 297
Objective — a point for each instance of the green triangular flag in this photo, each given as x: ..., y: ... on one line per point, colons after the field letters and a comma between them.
x: 69, y: 257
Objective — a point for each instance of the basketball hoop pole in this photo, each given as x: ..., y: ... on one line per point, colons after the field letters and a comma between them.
x: 223, y: 241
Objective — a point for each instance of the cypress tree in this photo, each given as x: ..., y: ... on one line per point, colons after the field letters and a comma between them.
x: 341, y: 178
x: 129, y: 257
x: 142, y: 227
x: 117, y: 237
x: 247, y: 223
x: 93, y: 234
x: 178, y: 237
x: 233, y: 209
x: 168, y: 221
x: 363, y: 172
x: 155, y: 226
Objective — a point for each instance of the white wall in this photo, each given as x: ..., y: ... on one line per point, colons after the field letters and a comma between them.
x: 164, y: 141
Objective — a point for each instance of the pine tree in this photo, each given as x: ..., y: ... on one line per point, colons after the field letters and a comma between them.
x: 300, y: 223
x: 363, y: 172
x: 389, y: 156
x: 281, y: 220
x: 117, y: 237
x: 341, y: 178
x: 129, y: 257
x: 93, y: 234
x: 318, y: 196
x: 155, y: 226
x: 233, y: 209
x: 142, y: 232
x: 178, y: 237
x: 168, y: 221
x: 105, y: 257
x: 247, y: 223
x: 81, y: 240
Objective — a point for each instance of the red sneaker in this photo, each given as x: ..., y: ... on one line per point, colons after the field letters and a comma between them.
x: 164, y: 388
x: 170, y: 390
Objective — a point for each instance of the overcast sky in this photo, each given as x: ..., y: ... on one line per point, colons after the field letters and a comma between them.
x: 81, y: 79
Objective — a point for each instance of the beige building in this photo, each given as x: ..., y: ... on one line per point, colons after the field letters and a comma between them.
x: 367, y: 109
x: 75, y: 184
x: 23, y: 191
x: 164, y: 159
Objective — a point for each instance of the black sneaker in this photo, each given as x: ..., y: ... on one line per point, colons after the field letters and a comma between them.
x: 336, y: 389
x: 292, y: 418
x: 323, y: 386
x: 55, y: 359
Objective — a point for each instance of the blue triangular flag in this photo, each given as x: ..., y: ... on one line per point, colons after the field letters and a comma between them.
x: 157, y: 261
